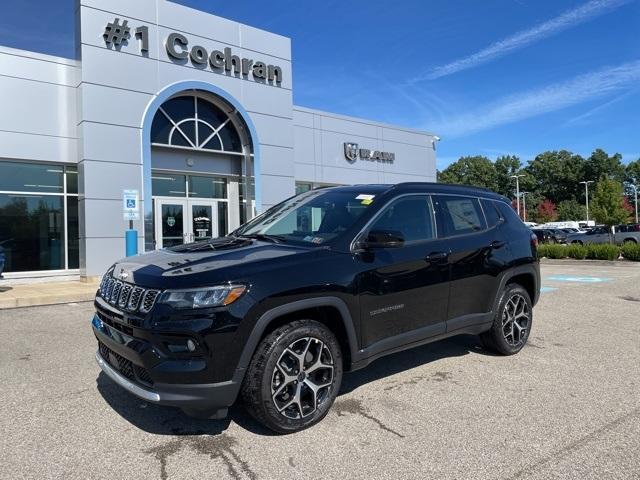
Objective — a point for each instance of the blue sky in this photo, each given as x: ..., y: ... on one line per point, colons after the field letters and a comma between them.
x: 490, y: 78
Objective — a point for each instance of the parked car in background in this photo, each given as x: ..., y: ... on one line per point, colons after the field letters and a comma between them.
x: 601, y: 234
x: 550, y: 235
x: 561, y: 225
x: 571, y: 230
x: 628, y: 228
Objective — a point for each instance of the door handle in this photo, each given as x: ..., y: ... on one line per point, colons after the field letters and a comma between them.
x: 436, y: 256
x: 497, y: 244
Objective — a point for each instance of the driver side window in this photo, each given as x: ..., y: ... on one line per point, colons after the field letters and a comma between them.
x: 411, y: 217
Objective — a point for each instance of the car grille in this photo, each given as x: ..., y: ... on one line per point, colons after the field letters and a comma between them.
x: 125, y: 367
x: 126, y: 296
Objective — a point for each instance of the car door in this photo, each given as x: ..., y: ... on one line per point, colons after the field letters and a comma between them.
x: 404, y: 289
x: 597, y: 235
x: 478, y: 256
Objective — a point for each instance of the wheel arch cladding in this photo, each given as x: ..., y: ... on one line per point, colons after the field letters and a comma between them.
x: 330, y: 311
x: 527, y: 281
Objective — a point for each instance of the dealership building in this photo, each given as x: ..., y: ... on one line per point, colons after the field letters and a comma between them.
x: 185, y: 118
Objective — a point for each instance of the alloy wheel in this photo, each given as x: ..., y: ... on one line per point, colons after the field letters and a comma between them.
x: 516, y: 318
x: 302, y: 378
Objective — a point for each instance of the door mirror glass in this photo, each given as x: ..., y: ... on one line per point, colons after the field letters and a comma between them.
x: 383, y: 239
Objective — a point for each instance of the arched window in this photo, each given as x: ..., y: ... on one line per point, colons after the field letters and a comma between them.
x: 191, y: 121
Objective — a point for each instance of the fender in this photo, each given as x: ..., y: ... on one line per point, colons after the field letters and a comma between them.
x: 529, y: 269
x: 270, y: 315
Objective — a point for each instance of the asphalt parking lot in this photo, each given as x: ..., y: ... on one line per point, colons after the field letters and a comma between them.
x: 568, y: 406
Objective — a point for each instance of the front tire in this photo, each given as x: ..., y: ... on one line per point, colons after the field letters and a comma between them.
x: 294, y: 376
x: 512, y: 323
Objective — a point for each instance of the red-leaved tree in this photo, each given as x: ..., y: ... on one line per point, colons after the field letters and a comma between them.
x: 547, y: 211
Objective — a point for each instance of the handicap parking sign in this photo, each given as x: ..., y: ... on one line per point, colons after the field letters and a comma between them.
x: 131, y: 210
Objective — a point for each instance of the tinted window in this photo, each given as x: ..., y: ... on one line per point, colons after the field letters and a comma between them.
x: 507, y: 211
x: 410, y: 216
x: 491, y: 213
x: 461, y: 215
x: 168, y: 185
x: 207, y: 187
x: 31, y: 177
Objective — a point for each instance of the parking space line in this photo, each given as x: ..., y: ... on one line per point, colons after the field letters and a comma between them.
x: 578, y: 279
x: 547, y: 289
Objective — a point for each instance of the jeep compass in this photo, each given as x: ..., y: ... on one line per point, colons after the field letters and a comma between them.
x: 321, y: 284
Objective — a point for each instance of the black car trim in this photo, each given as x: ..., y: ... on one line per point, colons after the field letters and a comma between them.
x: 270, y: 315
x: 416, y: 338
x: 528, y: 269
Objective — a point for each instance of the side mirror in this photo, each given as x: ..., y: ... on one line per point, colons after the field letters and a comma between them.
x: 382, y: 239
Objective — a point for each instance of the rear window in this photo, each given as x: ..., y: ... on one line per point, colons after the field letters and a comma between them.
x: 508, y: 213
x: 461, y: 215
x: 491, y: 213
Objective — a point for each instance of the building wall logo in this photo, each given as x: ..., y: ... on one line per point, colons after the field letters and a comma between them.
x: 116, y: 33
x: 352, y: 153
x: 177, y: 47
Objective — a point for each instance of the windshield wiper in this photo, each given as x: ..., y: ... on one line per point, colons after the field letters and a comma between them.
x: 264, y: 236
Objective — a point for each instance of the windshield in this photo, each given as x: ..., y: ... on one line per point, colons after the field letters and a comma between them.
x: 313, y: 218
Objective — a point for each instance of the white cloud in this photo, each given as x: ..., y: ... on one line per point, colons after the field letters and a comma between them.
x: 524, y: 38
x: 583, y: 118
x: 543, y: 100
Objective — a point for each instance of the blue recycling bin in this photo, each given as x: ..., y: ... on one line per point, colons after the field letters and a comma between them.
x: 2, y: 260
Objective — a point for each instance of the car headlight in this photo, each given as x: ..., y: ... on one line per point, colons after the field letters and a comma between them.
x: 203, y: 297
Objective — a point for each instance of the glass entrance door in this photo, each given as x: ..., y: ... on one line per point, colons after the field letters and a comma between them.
x: 204, y: 220
x: 171, y: 226
x: 179, y: 221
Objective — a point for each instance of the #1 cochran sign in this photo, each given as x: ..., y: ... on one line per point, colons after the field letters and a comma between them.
x: 130, y: 205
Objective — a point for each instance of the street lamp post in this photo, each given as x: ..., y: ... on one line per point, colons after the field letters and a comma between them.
x: 586, y: 195
x: 524, y: 206
x: 635, y: 191
x: 517, y: 177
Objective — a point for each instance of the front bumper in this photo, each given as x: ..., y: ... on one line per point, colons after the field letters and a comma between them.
x: 191, y: 397
x: 135, y: 360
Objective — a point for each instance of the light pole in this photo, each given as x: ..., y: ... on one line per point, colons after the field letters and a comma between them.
x: 635, y: 191
x: 524, y: 206
x: 586, y: 195
x: 517, y: 177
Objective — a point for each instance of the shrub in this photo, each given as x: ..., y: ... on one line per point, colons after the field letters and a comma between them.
x: 576, y: 251
x: 597, y: 251
x: 631, y: 251
x: 552, y: 251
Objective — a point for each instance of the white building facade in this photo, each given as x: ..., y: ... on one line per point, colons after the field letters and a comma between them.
x: 191, y: 112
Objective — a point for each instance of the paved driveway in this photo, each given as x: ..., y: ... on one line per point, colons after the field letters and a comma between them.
x: 568, y: 406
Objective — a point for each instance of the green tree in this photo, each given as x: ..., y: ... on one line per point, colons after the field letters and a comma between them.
x: 571, y: 210
x: 477, y: 171
x: 600, y: 164
x: 506, y: 166
x: 632, y: 173
x: 556, y: 175
x: 607, y: 204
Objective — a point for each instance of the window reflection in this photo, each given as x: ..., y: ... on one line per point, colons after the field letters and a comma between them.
x: 32, y: 232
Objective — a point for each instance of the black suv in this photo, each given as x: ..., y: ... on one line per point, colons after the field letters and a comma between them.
x: 322, y: 283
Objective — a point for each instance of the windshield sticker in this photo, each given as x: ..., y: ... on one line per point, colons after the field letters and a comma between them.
x: 366, y: 198
x: 317, y: 240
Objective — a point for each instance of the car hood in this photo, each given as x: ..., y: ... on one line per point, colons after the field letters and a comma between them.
x: 204, y: 263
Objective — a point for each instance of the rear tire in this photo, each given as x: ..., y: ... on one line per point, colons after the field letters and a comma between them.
x: 512, y: 323
x: 294, y: 376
